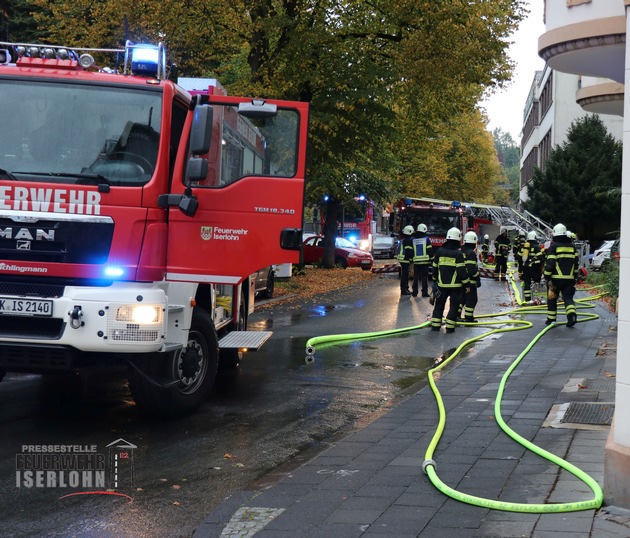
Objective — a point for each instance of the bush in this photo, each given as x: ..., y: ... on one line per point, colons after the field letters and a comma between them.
x: 608, y: 277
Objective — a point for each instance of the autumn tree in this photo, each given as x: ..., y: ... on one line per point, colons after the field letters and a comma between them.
x: 366, y: 68
x: 586, y: 164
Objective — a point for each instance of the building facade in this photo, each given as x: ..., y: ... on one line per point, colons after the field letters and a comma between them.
x: 555, y: 101
x: 587, y: 38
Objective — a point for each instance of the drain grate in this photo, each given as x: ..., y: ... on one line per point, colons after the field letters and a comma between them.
x: 600, y: 384
x: 600, y: 413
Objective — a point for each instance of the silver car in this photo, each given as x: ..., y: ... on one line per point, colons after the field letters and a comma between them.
x: 383, y: 246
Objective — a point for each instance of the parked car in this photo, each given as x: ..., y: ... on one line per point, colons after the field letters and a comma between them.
x: 383, y: 246
x: 601, y: 255
x: 346, y: 254
x: 265, y: 282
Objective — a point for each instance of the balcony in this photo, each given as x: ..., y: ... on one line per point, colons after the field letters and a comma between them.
x: 585, y: 38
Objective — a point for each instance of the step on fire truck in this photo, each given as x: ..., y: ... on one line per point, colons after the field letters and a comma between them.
x: 133, y: 211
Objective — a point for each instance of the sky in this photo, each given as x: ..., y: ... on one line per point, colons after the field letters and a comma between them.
x: 505, y: 108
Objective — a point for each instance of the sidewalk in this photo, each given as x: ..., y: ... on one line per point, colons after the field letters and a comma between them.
x: 371, y: 482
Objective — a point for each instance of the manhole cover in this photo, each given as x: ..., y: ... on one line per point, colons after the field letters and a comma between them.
x: 589, y: 413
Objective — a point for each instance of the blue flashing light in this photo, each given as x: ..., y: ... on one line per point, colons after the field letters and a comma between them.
x: 114, y: 272
x: 361, y: 198
x: 456, y: 204
x: 353, y: 238
x: 145, y: 60
x: 326, y: 198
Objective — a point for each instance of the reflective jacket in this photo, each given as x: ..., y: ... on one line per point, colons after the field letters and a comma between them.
x: 502, y: 246
x: 422, y: 250
x: 449, y: 265
x: 532, y: 256
x: 472, y: 267
x: 405, y: 250
x: 562, y: 261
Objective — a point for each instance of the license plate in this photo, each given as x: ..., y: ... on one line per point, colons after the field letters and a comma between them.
x: 25, y: 307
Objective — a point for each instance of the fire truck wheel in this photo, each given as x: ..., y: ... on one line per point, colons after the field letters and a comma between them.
x: 267, y: 293
x: 194, y: 368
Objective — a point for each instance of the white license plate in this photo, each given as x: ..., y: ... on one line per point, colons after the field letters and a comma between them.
x: 25, y: 307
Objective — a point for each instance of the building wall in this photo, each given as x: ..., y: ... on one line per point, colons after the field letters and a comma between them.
x: 552, y: 109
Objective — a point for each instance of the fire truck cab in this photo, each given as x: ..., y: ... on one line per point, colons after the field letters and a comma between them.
x: 132, y: 212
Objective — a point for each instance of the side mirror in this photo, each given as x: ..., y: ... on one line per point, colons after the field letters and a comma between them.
x: 201, y: 131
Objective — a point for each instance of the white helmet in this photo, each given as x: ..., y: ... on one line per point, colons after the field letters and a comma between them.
x: 455, y: 234
x: 521, y: 233
x: 559, y: 229
x: 408, y: 230
x: 531, y: 236
x: 470, y: 237
x: 486, y: 236
x: 422, y: 228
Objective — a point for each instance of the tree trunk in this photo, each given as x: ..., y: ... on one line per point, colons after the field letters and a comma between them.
x: 330, y: 232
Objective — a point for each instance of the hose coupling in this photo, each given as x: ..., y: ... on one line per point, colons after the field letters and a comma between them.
x: 426, y: 463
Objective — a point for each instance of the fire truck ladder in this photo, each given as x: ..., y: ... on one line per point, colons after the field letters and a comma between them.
x: 523, y: 220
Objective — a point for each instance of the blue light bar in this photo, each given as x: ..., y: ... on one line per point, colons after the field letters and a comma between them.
x: 145, y: 60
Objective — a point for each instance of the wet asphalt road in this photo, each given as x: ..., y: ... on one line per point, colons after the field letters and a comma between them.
x: 277, y: 409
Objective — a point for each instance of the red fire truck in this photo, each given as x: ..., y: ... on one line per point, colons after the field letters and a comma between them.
x: 132, y: 212
x: 439, y: 216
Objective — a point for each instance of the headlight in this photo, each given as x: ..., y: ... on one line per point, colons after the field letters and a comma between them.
x: 140, y: 314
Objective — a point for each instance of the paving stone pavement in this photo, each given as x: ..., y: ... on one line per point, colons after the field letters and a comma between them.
x: 371, y: 482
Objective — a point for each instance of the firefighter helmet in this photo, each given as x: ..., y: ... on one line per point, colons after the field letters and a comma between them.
x: 559, y: 229
x: 531, y: 236
x: 470, y: 237
x: 455, y: 234
x: 521, y: 233
x: 422, y: 228
x: 408, y: 230
x: 486, y: 236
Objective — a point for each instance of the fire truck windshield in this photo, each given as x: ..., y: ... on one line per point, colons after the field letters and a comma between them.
x: 75, y: 131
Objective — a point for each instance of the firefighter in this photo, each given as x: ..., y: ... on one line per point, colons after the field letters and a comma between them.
x: 422, y: 257
x: 485, y: 248
x: 561, y: 269
x: 532, y: 261
x: 517, y: 250
x: 405, y: 258
x: 469, y: 299
x: 450, y: 278
x: 501, y: 253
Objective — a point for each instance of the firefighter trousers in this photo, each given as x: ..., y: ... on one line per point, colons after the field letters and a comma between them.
x: 529, y: 275
x: 500, y: 267
x: 555, y: 289
x: 404, y: 278
x: 469, y: 301
x: 420, y: 279
x: 455, y: 296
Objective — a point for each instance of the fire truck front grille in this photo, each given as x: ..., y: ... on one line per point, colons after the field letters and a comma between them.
x: 31, y: 327
x: 34, y: 359
x: 30, y: 289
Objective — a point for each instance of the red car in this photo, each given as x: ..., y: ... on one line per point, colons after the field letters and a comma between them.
x: 346, y: 254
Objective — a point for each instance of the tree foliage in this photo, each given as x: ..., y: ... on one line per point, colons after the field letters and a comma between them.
x: 381, y: 77
x: 510, y: 158
x: 568, y: 189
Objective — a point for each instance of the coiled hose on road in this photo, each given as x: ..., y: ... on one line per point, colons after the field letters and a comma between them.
x: 429, y: 465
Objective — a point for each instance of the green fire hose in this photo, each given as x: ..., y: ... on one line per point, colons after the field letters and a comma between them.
x: 429, y: 465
